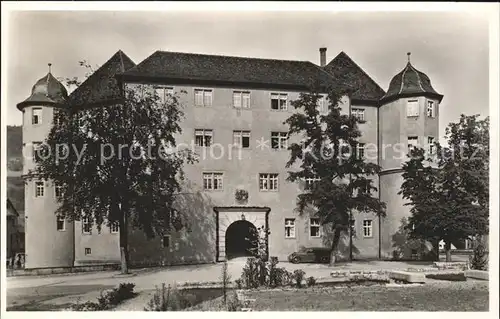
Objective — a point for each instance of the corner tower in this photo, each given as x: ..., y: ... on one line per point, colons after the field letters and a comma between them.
x: 49, y: 239
x: 408, y: 117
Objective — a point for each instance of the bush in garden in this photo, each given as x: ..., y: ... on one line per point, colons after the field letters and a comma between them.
x: 262, y: 272
x: 273, y: 279
x: 109, y: 299
x: 239, y: 283
x: 298, y: 277
x: 479, y: 259
x: 233, y: 303
x: 283, y: 277
x: 170, y: 299
x: 311, y: 281
x: 250, y: 275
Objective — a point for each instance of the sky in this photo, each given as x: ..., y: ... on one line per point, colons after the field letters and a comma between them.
x: 450, y: 47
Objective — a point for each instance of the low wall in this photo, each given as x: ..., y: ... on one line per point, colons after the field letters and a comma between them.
x: 61, y: 270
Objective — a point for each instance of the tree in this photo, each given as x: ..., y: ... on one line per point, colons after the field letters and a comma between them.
x: 343, y: 179
x: 118, y: 163
x: 448, y: 191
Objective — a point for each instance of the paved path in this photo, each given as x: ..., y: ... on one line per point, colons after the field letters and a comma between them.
x: 61, y: 289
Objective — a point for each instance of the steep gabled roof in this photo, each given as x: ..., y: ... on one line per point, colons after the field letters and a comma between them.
x: 366, y: 89
x: 101, y: 86
x: 191, y: 68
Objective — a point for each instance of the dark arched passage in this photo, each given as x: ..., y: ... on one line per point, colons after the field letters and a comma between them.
x: 241, y: 239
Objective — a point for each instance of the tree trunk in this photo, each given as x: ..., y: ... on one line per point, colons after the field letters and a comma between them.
x: 436, y: 249
x: 336, y: 238
x: 447, y: 247
x: 124, y: 243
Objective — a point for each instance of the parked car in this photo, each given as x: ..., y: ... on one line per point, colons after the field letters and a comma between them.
x: 310, y: 255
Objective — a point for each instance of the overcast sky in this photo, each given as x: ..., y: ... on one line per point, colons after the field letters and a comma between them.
x: 451, y: 48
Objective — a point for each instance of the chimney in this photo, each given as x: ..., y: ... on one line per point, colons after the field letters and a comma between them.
x: 322, y: 56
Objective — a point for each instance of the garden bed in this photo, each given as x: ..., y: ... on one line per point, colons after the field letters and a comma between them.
x: 457, y: 296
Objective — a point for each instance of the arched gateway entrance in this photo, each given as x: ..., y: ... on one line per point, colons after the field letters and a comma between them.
x: 237, y: 230
x: 241, y: 239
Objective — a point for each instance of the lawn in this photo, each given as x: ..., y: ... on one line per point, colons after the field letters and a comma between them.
x: 456, y: 296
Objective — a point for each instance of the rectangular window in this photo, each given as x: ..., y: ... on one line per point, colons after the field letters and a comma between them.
x: 412, y: 108
x: 203, y: 137
x: 279, y: 140
x: 212, y: 181
x: 165, y: 241
x: 412, y: 143
x: 279, y: 101
x: 86, y: 225
x: 241, y: 99
x: 432, y: 147
x: 37, y: 151
x: 203, y: 97
x: 88, y: 251
x: 314, y: 227
x: 430, y: 109
x: 39, y: 189
x: 358, y: 113
x: 268, y: 182
x: 58, y: 190
x: 241, y: 139
x: 36, y: 116
x: 114, y: 227
x: 163, y: 93
x: 322, y: 105
x: 367, y: 228
x: 360, y: 150
x: 309, y: 183
x: 289, y: 227
x: 61, y: 223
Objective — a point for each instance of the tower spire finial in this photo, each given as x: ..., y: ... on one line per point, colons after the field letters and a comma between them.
x: 50, y: 67
x: 408, y: 54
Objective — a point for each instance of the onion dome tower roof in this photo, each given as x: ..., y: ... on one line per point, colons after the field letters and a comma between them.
x: 410, y: 82
x: 46, y: 91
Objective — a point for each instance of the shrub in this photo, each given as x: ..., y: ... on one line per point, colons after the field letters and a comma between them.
x: 250, y: 274
x: 479, y: 259
x: 170, y: 299
x: 87, y: 306
x: 233, y: 303
x: 284, y: 277
x: 109, y: 299
x: 311, y: 281
x: 239, y: 283
x: 273, y: 279
x: 298, y: 277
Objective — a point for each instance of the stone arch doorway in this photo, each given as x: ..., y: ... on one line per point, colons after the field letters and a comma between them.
x: 226, y: 216
x: 241, y: 239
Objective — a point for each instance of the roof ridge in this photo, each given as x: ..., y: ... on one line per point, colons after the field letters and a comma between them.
x: 403, y: 78
x: 362, y: 70
x: 90, y: 78
x: 227, y: 56
x: 418, y: 76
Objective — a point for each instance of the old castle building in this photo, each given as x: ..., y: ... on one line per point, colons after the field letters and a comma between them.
x: 228, y: 101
